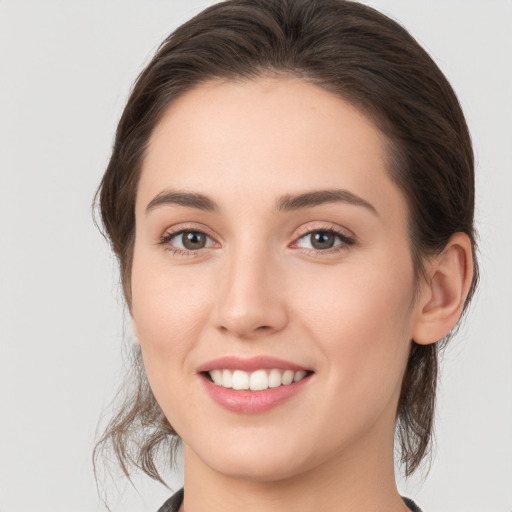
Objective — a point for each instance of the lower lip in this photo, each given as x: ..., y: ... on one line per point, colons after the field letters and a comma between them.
x: 252, y: 402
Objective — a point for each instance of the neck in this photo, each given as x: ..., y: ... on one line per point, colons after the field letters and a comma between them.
x: 360, y: 481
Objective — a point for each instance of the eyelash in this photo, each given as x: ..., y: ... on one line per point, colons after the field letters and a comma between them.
x: 167, y: 237
x: 346, y: 241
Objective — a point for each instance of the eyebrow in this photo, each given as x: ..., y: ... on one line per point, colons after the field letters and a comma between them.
x: 182, y: 198
x: 285, y: 203
x: 290, y: 202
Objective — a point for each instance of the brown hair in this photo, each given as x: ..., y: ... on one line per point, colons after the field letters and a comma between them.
x: 353, y: 51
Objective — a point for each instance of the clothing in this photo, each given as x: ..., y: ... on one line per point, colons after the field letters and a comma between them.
x: 411, y: 504
x: 174, y: 503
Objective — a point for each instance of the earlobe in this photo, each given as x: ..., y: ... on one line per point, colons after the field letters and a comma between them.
x: 443, y: 295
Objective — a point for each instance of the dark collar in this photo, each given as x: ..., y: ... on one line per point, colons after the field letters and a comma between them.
x: 173, y: 504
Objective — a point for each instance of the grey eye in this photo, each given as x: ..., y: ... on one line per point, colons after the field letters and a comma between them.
x: 322, y: 239
x: 193, y: 240
x: 186, y: 241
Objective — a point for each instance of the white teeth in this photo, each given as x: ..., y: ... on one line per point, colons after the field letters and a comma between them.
x: 240, y: 380
x: 227, y: 379
x: 287, y: 377
x: 258, y: 380
x: 216, y: 376
x: 299, y: 375
x: 274, y: 378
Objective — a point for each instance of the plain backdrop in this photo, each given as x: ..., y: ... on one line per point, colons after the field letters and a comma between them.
x: 66, y: 68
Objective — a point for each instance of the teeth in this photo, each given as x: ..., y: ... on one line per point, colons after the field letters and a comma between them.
x: 227, y: 379
x: 240, y: 379
x: 299, y: 376
x: 274, y: 379
x: 258, y: 380
x: 216, y: 376
x: 287, y: 377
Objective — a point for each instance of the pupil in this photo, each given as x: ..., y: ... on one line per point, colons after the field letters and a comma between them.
x: 193, y: 240
x: 323, y: 240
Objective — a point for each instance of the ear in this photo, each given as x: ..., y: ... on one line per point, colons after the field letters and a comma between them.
x: 442, y: 296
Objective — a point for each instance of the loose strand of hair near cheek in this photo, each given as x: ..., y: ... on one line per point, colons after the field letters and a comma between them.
x: 416, y: 409
x: 138, y: 435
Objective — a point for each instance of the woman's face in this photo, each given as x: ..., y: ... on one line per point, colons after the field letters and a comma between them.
x: 271, y: 244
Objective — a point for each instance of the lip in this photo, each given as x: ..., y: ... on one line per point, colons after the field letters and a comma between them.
x: 251, y: 402
x: 249, y: 364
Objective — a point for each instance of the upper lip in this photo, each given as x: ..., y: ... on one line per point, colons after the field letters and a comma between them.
x: 249, y: 364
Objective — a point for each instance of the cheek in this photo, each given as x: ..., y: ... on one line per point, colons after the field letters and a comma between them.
x: 168, y: 309
x: 362, y: 323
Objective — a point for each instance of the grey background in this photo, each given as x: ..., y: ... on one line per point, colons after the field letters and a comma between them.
x: 65, y: 71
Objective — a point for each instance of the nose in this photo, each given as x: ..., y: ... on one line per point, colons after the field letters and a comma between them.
x: 251, y: 299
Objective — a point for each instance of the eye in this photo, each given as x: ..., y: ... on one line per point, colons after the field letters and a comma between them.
x: 324, y: 240
x: 186, y: 241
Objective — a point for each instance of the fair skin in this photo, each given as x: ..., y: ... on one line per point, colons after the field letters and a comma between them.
x: 274, y: 282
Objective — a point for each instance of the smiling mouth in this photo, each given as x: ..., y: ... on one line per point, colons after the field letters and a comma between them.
x: 258, y: 380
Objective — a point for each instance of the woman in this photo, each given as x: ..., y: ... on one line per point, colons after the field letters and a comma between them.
x: 290, y: 197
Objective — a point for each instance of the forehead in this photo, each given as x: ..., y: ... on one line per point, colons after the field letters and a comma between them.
x: 265, y: 138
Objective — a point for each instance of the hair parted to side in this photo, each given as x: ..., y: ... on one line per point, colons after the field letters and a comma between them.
x: 369, y: 60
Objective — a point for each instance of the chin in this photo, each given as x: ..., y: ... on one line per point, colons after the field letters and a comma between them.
x: 258, y: 468
x: 253, y: 461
